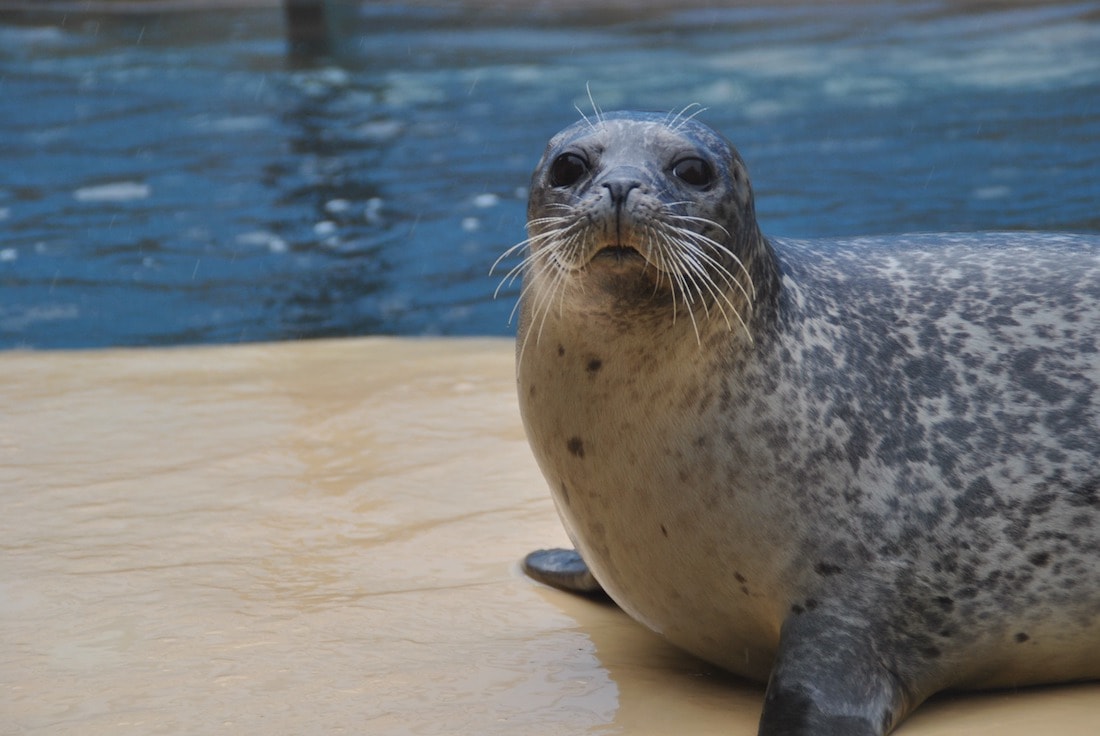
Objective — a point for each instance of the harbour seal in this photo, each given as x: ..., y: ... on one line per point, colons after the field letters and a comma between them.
x: 861, y: 471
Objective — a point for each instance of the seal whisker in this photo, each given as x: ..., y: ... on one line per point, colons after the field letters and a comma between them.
x: 700, y: 239
x: 700, y: 220
x: 663, y: 267
x: 656, y: 252
x: 683, y: 279
x: 591, y: 125
x: 721, y: 299
x: 681, y: 119
x: 596, y: 112
x: 558, y: 285
x: 543, y: 297
x: 719, y: 267
x: 534, y: 239
x: 697, y: 244
x: 514, y: 273
x: 595, y: 108
x: 710, y: 241
x: 703, y: 278
x: 528, y: 285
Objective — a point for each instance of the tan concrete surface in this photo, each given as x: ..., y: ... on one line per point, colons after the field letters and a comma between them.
x: 322, y: 538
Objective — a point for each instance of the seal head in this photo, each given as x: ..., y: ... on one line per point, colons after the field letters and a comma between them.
x: 646, y: 215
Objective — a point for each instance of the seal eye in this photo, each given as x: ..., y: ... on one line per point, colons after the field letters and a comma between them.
x: 567, y: 170
x: 693, y: 171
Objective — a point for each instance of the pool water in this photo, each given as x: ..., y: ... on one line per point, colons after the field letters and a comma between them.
x: 179, y: 178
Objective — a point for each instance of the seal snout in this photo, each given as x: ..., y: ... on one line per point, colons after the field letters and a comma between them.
x: 619, y: 190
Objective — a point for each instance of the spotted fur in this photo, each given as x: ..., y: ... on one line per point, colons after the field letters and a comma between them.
x: 886, y: 486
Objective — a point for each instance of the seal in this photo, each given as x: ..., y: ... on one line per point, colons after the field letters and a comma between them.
x: 862, y: 471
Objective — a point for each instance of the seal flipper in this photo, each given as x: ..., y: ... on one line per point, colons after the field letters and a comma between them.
x: 562, y: 569
x: 828, y: 680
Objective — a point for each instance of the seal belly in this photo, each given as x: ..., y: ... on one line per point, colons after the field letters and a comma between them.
x: 636, y: 483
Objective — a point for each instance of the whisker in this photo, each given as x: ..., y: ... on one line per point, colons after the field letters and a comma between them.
x: 698, y: 274
x: 676, y: 273
x: 595, y: 108
x: 700, y: 220
x: 682, y: 119
x: 697, y: 239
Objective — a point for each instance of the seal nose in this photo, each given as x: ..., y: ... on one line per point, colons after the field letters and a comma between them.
x: 620, y: 189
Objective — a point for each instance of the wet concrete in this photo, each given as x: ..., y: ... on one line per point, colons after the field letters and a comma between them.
x: 322, y: 538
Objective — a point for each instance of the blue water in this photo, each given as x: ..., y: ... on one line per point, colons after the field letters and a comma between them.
x: 176, y: 178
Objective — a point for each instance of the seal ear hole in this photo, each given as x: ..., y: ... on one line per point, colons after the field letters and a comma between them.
x: 694, y: 171
x: 567, y: 169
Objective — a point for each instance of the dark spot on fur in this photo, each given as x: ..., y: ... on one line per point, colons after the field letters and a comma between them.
x: 739, y: 577
x: 531, y: 390
x: 1039, y: 559
x: 980, y: 500
x: 561, y: 350
x: 797, y: 610
x: 594, y: 365
x: 664, y: 530
x: 1040, y: 504
x: 1087, y: 494
x: 824, y: 568
x: 1022, y: 637
x: 575, y: 445
x: 930, y: 651
x: 811, y: 604
x: 946, y: 603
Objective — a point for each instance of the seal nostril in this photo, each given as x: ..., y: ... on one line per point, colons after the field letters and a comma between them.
x: 620, y: 190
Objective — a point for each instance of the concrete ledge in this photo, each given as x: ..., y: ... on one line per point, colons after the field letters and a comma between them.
x: 319, y: 538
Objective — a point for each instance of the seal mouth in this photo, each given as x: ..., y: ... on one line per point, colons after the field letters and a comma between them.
x: 618, y: 252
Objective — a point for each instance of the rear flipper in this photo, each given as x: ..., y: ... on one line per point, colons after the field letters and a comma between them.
x: 832, y: 678
x: 562, y: 569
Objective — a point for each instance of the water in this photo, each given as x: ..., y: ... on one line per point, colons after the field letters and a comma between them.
x: 176, y: 178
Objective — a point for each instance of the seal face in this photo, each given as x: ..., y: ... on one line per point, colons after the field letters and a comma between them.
x: 663, y: 222
x: 862, y: 471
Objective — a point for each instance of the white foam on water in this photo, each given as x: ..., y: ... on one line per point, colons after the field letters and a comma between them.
x: 119, y: 191
x: 373, y: 210
x: 379, y: 131
x: 25, y: 318
x: 263, y: 238
x: 238, y: 124
x: 992, y: 192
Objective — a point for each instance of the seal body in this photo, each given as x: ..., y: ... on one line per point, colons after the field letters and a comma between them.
x: 863, y: 471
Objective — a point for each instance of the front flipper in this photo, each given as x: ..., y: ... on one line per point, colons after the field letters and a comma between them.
x: 562, y: 569
x: 832, y: 678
